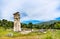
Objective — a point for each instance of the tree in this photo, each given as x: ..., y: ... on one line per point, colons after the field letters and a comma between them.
x: 30, y: 25
x: 6, y: 24
x: 23, y: 25
x: 57, y: 26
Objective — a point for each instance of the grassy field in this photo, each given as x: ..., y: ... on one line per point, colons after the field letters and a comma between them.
x: 33, y: 35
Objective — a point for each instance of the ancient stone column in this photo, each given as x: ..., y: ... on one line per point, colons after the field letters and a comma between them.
x: 17, y: 25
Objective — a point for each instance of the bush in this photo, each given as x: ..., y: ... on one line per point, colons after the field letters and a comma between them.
x: 49, y: 37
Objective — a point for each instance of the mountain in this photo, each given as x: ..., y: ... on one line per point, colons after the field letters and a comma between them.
x: 58, y: 18
x: 33, y: 21
x: 49, y: 22
x: 40, y: 22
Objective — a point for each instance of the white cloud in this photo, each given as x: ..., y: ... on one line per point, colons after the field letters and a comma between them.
x: 9, y: 7
x: 35, y: 9
x: 42, y: 9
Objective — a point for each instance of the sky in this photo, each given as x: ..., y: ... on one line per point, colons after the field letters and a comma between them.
x: 42, y: 10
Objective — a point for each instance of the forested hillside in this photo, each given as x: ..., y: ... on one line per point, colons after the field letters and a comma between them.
x: 6, y: 24
x: 54, y: 24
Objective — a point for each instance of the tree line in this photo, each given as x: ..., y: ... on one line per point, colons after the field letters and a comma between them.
x: 44, y: 25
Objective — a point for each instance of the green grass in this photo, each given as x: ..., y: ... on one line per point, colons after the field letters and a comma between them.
x: 56, y: 35
x: 32, y: 35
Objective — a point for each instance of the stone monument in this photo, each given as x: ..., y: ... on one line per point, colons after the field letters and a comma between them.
x: 17, y: 25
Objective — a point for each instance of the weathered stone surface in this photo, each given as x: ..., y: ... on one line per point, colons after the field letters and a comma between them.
x: 17, y: 25
x: 10, y: 35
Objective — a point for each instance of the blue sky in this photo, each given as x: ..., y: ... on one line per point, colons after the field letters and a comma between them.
x: 42, y: 10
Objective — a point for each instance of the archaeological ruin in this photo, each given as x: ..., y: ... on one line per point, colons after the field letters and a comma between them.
x: 17, y: 25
